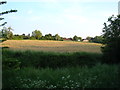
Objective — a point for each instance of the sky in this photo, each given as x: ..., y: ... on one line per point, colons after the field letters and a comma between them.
x: 64, y: 17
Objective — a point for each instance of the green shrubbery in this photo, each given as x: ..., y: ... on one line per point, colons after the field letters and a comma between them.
x: 52, y: 60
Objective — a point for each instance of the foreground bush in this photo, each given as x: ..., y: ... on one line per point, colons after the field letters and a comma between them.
x: 99, y: 76
x: 52, y: 60
x: 111, y: 35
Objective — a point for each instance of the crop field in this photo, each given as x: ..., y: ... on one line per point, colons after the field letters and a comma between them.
x: 52, y: 46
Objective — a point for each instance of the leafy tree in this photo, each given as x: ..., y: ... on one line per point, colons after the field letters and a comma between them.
x: 75, y: 38
x: 10, y: 28
x: 48, y: 37
x: 80, y: 38
x: 6, y: 33
x: 89, y: 38
x: 24, y: 36
x: 111, y: 35
x: 16, y: 37
x: 5, y: 12
x: 37, y: 34
x: 57, y: 37
x: 28, y: 36
x: 97, y: 39
x: 9, y: 35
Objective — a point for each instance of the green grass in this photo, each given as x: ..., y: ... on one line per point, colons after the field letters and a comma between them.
x: 99, y: 76
x: 31, y: 69
x: 51, y: 60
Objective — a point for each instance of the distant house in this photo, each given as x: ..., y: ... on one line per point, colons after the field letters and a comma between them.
x: 85, y: 40
x: 67, y: 39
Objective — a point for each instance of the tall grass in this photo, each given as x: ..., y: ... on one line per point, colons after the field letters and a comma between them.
x: 32, y: 69
x: 51, y: 60
x: 99, y: 76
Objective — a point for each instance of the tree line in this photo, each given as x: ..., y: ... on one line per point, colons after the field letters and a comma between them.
x: 6, y: 33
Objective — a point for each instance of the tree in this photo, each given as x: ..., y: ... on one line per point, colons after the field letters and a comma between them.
x: 97, y: 39
x: 6, y: 12
x: 9, y: 35
x: 75, y: 38
x: 37, y: 34
x: 57, y: 37
x: 48, y: 37
x: 89, y: 38
x: 79, y: 38
x: 111, y: 42
x: 6, y: 33
x: 28, y: 36
x: 10, y: 28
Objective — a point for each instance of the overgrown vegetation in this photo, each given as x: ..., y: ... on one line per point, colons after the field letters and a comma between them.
x: 99, y: 76
x: 28, y: 69
x: 51, y: 60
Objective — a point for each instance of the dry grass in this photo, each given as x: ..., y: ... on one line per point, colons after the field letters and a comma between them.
x: 52, y: 46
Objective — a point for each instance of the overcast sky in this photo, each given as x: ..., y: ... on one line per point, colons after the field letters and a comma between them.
x: 64, y: 17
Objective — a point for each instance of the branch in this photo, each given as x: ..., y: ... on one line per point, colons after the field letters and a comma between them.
x: 3, y: 2
x: 6, y: 12
x: 3, y: 24
x: 1, y: 19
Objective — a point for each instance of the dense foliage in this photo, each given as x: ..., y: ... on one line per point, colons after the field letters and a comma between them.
x: 111, y: 35
x: 37, y: 34
x: 6, y: 33
x: 51, y: 60
x: 75, y: 38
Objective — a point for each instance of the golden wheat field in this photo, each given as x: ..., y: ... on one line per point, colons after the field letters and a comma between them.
x: 52, y: 46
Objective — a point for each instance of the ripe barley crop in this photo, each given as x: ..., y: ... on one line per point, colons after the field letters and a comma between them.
x: 52, y: 46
